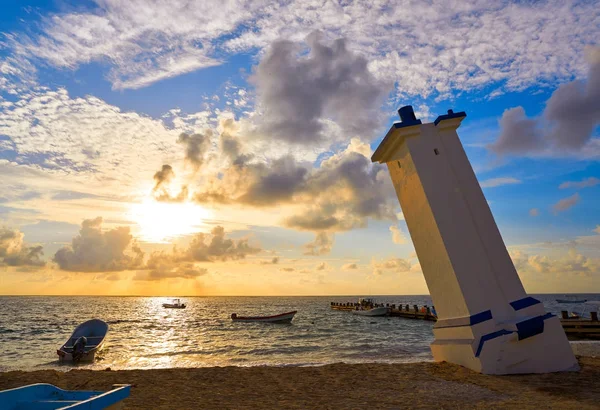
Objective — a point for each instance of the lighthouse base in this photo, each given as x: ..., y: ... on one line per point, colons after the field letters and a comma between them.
x: 528, y: 345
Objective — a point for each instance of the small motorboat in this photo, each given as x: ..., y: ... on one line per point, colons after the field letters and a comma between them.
x: 378, y: 311
x: 50, y: 397
x: 85, y: 342
x: 570, y: 299
x: 281, y: 318
x: 368, y: 307
x: 176, y: 304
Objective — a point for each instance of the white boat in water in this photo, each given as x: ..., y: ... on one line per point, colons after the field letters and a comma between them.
x: 87, y: 339
x: 570, y: 299
x: 378, y: 311
x: 176, y: 304
x: 368, y: 307
x: 281, y: 318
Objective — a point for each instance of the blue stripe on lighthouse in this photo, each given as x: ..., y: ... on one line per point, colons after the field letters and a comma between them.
x: 524, y: 303
x: 480, y: 317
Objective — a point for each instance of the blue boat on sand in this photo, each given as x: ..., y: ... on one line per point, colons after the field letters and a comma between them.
x: 44, y: 396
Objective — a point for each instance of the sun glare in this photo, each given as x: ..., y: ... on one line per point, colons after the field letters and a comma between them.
x: 160, y: 222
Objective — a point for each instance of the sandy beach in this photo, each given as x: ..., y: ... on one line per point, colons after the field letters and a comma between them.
x: 413, y: 385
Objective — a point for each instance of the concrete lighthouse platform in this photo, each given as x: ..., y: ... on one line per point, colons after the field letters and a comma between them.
x: 486, y: 321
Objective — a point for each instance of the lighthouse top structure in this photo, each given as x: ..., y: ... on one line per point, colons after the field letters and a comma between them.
x: 409, y: 125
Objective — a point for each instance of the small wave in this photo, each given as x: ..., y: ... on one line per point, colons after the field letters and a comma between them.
x: 282, y: 350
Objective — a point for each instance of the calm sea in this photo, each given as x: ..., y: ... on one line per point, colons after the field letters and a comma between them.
x: 143, y: 334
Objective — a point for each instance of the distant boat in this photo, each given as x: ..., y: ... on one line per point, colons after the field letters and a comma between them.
x: 87, y: 339
x: 368, y: 307
x: 47, y: 396
x: 175, y: 305
x: 281, y: 318
x: 571, y: 299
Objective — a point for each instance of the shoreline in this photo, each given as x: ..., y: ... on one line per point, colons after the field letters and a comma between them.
x: 376, y: 385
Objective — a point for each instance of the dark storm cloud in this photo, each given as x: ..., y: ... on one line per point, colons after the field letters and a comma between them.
x: 569, y: 119
x: 296, y: 92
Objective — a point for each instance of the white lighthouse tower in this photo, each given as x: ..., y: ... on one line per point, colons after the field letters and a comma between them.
x: 486, y: 321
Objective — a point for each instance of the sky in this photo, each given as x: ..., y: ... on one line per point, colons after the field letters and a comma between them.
x: 189, y: 147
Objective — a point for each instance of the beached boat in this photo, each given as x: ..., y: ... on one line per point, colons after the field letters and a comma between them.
x: 85, y: 342
x: 571, y: 299
x: 368, y: 307
x: 281, y: 318
x: 49, y: 397
x: 175, y: 305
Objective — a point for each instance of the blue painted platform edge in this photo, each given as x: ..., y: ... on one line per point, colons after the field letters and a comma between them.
x: 524, y: 303
x: 451, y: 114
x: 528, y: 330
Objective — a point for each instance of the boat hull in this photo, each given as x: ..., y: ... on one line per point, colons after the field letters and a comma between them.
x: 94, y: 331
x: 87, y: 357
x: 169, y: 306
x: 282, y: 318
x: 47, y: 396
x: 379, y: 311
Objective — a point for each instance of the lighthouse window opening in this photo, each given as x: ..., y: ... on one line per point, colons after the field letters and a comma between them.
x: 435, y: 150
x: 399, y: 165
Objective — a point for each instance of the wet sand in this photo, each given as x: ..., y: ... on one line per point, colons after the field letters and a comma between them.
x: 352, y: 386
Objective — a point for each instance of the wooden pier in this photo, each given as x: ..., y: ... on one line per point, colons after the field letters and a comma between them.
x: 581, y: 328
x: 405, y: 311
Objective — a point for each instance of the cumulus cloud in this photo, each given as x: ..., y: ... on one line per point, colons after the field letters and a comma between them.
x: 322, y: 266
x: 494, y: 182
x: 163, y: 265
x: 217, y: 247
x: 96, y: 250
x: 566, y: 203
x: 321, y: 245
x: 196, y: 146
x: 337, y: 196
x: 567, y: 124
x: 273, y: 261
x: 350, y: 266
x: 571, y: 264
x: 597, y: 230
x: 163, y: 177
x: 585, y: 183
x: 182, y: 263
x: 297, y: 92
x: 396, y: 265
x: 398, y: 236
x: 14, y: 251
x: 534, y: 212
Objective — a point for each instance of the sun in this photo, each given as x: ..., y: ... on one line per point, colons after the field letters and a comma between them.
x: 161, y: 222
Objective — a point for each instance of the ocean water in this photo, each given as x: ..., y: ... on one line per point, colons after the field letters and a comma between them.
x: 142, y: 334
